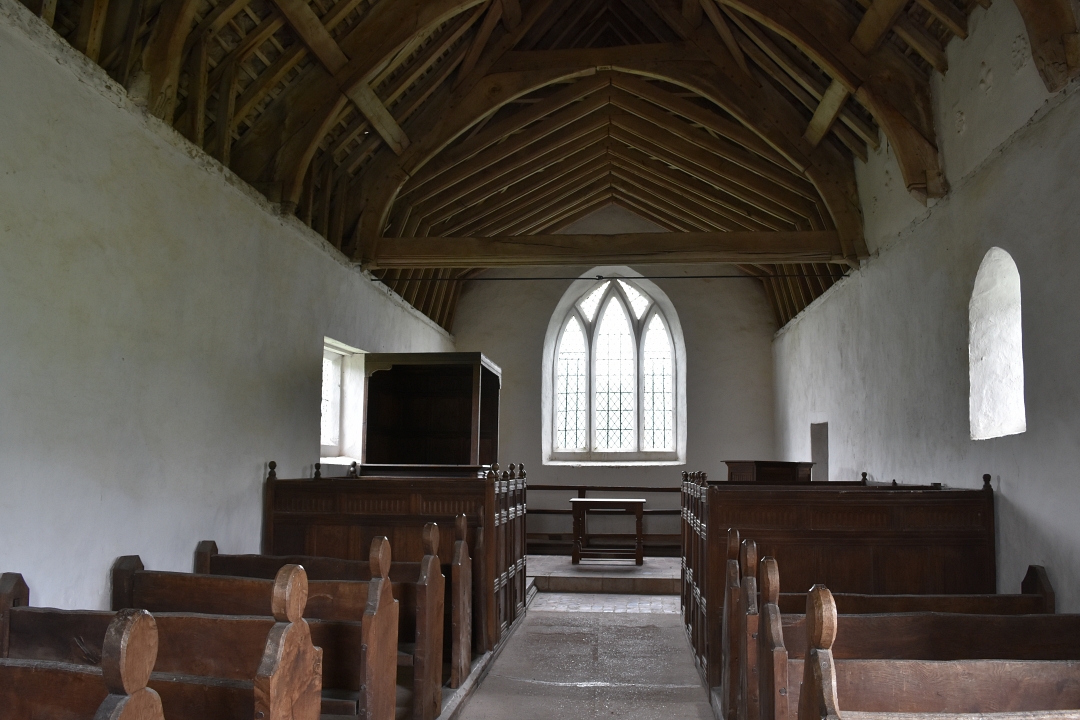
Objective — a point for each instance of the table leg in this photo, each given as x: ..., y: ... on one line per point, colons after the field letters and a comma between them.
x: 640, y: 558
x: 576, y: 556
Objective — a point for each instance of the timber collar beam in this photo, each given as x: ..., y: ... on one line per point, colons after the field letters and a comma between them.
x: 634, y: 248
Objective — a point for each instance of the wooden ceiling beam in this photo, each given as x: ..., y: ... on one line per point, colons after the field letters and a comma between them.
x: 886, y: 87
x: 724, y: 31
x: 535, y: 134
x: 663, y: 198
x: 947, y: 14
x: 502, y: 129
x: 589, y: 129
x: 759, y: 177
x: 480, y: 40
x: 645, y: 248
x: 651, y: 214
x: 495, y: 203
x: 563, y: 159
x: 1052, y: 27
x: 705, y: 208
x: 692, y: 187
x: 745, y: 147
x: 163, y: 57
x: 511, y: 14
x: 532, y: 217
x: 758, y: 107
x: 576, y: 211
x: 572, y: 187
x: 763, y: 198
x: 505, y: 205
x: 275, y: 150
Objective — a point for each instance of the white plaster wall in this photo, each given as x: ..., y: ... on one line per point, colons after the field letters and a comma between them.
x: 727, y: 327
x: 160, y: 331
x: 883, y: 356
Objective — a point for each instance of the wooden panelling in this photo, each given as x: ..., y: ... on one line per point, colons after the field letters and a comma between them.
x: 339, y: 517
x: 853, y: 536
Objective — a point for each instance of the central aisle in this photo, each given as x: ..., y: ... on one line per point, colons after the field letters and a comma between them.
x: 594, y: 656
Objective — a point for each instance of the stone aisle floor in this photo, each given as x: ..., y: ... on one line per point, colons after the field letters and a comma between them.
x: 578, y: 656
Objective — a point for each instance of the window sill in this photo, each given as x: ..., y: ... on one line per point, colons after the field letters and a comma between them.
x: 613, y: 460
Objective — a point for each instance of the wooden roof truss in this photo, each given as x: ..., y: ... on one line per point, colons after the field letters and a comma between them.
x: 430, y: 139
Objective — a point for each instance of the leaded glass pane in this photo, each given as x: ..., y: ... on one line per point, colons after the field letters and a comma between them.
x: 658, y: 391
x: 571, y: 390
x: 638, y: 300
x: 592, y: 301
x: 615, y: 374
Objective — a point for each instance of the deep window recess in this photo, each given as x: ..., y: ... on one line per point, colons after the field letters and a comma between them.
x: 996, y: 350
x: 342, y: 405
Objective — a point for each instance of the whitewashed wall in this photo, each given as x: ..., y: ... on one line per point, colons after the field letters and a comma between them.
x: 727, y: 327
x: 883, y: 357
x: 160, y: 331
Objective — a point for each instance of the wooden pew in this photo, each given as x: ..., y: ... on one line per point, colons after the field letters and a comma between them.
x: 1036, y: 596
x: 921, y: 635
x: 115, y: 690
x: 355, y: 623
x: 207, y: 667
x: 887, y: 689
x: 333, y: 517
x: 419, y: 588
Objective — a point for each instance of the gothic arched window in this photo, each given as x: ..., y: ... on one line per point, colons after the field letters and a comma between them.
x: 612, y: 373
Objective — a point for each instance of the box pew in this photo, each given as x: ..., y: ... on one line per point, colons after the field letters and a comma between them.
x: 355, y: 623
x: 115, y: 689
x: 929, y: 636
x: 419, y: 588
x: 932, y: 689
x: 333, y: 517
x: 1036, y: 596
x: 207, y: 667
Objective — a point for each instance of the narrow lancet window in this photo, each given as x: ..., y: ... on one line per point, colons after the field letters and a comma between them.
x: 571, y: 389
x: 615, y: 373
x: 658, y: 388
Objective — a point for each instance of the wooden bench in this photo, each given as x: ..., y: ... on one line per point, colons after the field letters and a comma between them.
x: 910, y: 634
x: 930, y: 689
x: 355, y: 623
x: 114, y: 690
x: 208, y: 667
x: 741, y: 616
x: 420, y: 590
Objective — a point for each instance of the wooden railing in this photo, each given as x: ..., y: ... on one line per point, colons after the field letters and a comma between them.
x: 561, y: 542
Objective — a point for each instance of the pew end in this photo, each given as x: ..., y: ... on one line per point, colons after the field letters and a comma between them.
x: 817, y: 700
x: 1037, y: 582
x: 122, y: 576
x: 461, y: 605
x: 380, y: 638
x: 204, y: 551
x: 14, y: 592
x: 428, y: 657
x: 288, y: 684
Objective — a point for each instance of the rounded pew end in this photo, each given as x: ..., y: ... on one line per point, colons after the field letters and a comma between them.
x: 769, y: 581
x: 820, y: 618
x: 290, y: 594
x: 380, y: 557
x: 129, y: 651
x: 431, y: 539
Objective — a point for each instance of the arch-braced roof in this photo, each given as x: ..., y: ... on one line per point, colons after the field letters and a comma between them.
x: 430, y: 139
